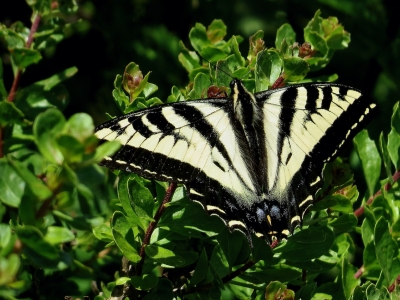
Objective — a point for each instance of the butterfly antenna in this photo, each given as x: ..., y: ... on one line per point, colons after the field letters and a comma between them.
x: 215, y: 65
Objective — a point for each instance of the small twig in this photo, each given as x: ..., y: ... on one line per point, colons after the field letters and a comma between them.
x: 359, y: 272
x: 279, y: 82
x: 15, y: 84
x: 168, y: 196
x: 360, y: 211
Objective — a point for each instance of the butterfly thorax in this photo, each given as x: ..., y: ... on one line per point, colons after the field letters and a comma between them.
x: 244, y: 104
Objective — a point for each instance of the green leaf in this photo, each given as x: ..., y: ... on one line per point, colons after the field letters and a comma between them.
x: 295, y: 68
x: 190, y: 220
x: 370, y: 159
x: 9, y: 267
x: 201, y: 269
x: 44, y: 94
x: 35, y: 185
x: 164, y: 256
x: 216, y: 31
x: 105, y: 149
x: 125, y: 247
x: 386, y: 158
x: 268, y: 69
x: 12, y: 186
x: 219, y: 262
x: 122, y: 280
x: 386, y: 251
x: 307, y: 244
x: 120, y: 98
x: 260, y: 250
x: 393, y: 145
x: 284, y: 33
x: 103, y: 233
x: 9, y: 114
x: 71, y: 149
x: 141, y: 199
x: 163, y: 290
x: 200, y: 86
x: 120, y: 223
x: 198, y: 37
x: 58, y: 235
x: 188, y: 59
x: 24, y: 57
x: 144, y: 282
x: 347, y: 279
x: 344, y: 223
x: 124, y: 197
x: 45, y: 128
x: 336, y: 202
x: 39, y: 252
x: 80, y: 126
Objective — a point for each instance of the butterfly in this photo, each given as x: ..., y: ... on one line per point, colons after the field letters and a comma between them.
x: 255, y: 160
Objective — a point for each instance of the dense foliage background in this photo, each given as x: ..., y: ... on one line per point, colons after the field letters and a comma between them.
x: 58, y: 255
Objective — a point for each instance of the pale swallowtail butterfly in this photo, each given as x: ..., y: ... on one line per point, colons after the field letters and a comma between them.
x: 255, y: 160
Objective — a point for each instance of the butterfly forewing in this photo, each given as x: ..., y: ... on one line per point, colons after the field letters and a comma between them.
x: 258, y: 172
